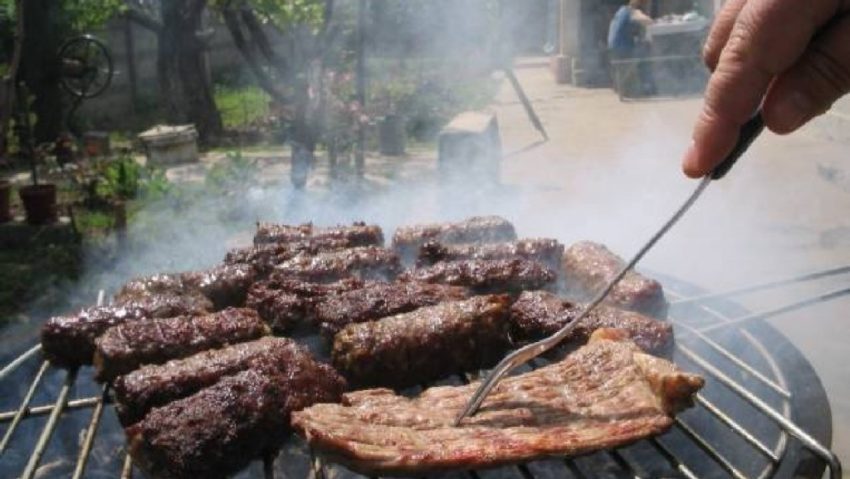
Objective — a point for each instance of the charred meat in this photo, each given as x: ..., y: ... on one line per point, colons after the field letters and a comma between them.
x: 366, y: 262
x: 589, y: 266
x: 128, y: 346
x: 425, y: 344
x: 546, y: 251
x: 68, y: 341
x: 606, y: 394
x: 153, y: 386
x: 538, y: 314
x: 265, y: 257
x: 377, y: 300
x: 478, y: 229
x: 221, y: 428
x: 224, y: 285
x: 358, y: 234
x: 486, y: 275
x: 286, y: 303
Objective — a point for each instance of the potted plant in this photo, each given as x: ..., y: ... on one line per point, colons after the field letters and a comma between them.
x: 39, y: 199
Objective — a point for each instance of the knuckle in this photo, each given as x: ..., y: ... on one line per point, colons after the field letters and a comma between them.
x: 831, y: 74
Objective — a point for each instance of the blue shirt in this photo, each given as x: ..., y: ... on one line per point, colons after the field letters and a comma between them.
x: 622, y: 31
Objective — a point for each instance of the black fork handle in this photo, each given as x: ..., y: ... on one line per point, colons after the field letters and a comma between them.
x: 749, y: 132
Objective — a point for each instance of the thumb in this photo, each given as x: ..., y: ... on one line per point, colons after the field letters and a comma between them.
x: 811, y: 86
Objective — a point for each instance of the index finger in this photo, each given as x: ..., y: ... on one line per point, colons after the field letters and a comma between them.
x: 767, y: 38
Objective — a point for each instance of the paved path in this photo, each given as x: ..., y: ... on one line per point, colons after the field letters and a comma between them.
x: 611, y: 172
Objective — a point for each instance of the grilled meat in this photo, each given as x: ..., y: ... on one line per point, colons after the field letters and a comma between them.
x: 589, y: 266
x: 68, y: 341
x: 377, y: 300
x: 538, y: 314
x: 425, y: 344
x: 546, y: 251
x: 125, y: 347
x: 265, y: 257
x: 478, y: 229
x: 365, y: 262
x: 358, y: 234
x: 152, y: 386
x: 606, y: 394
x: 286, y: 303
x: 486, y: 275
x: 224, y: 285
x: 221, y: 428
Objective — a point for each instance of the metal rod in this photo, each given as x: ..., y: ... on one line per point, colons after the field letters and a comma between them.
x: 763, y: 286
x: 672, y: 459
x: 811, y: 443
x: 711, y: 450
x: 45, y: 409
x: 725, y: 419
x: 7, y: 369
x: 780, y: 310
x: 127, y: 467
x: 52, y: 421
x: 526, y: 103
x: 19, y: 414
x: 85, y: 450
x: 735, y: 359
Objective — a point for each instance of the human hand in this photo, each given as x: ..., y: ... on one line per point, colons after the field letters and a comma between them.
x: 793, y: 55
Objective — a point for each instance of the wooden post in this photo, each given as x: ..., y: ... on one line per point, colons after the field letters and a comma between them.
x: 359, y: 159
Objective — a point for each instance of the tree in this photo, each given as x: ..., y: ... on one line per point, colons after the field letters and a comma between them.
x: 47, y: 24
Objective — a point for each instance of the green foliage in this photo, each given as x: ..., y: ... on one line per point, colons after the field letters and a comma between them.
x: 241, y: 107
x: 235, y: 173
x: 285, y: 13
x: 87, y: 15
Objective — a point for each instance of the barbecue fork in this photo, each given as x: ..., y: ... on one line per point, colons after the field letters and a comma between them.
x: 748, y: 133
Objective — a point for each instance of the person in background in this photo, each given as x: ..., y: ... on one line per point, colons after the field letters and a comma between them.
x: 626, y: 34
x: 790, y: 56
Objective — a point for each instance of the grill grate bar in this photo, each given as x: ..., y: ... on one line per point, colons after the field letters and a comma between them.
x: 668, y: 454
x: 710, y: 450
x: 21, y: 412
x: 763, y: 286
x: 735, y: 359
x: 127, y: 467
x: 16, y: 363
x: 85, y: 450
x: 46, y: 408
x: 624, y: 465
x: 812, y: 444
x: 834, y: 294
x: 725, y: 419
x: 52, y: 421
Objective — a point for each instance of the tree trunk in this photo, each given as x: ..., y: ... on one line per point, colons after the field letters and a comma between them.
x: 182, y: 62
x: 40, y: 68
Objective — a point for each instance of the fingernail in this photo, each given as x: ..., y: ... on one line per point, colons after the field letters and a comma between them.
x: 791, y: 111
x: 690, y: 160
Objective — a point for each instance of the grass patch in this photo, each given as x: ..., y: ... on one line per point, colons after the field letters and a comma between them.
x: 241, y: 107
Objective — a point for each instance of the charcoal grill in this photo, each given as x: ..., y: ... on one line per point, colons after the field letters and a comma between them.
x: 763, y: 412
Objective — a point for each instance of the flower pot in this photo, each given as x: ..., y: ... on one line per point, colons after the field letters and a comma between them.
x: 391, y: 135
x: 5, y: 204
x: 39, y: 203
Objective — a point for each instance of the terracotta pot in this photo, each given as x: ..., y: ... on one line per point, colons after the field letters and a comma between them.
x: 5, y: 206
x: 39, y: 203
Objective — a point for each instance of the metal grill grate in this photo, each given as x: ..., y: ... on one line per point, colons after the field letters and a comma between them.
x: 750, y: 421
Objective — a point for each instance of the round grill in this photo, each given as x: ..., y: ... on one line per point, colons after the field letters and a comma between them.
x: 762, y: 414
